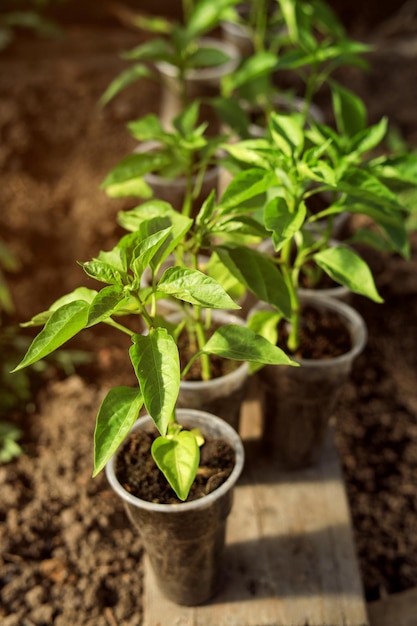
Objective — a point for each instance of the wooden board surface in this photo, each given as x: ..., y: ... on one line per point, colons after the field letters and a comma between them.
x: 290, y: 556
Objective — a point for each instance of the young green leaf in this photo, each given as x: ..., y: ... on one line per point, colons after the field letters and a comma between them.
x: 127, y: 77
x: 147, y: 249
x: 282, y: 222
x: 258, y: 273
x: 156, y: 363
x: 242, y: 344
x: 117, y: 414
x: 205, y: 16
x: 371, y: 137
x: 148, y: 128
x: 346, y: 267
x: 265, y: 323
x: 152, y: 217
x: 196, y: 288
x: 106, y: 302
x: 178, y: 458
x: 287, y: 133
x: 253, y: 67
x: 245, y: 186
x: 207, y: 57
x: 103, y: 272
x: 155, y: 49
x: 126, y: 178
x: 63, y: 324
x: 349, y: 110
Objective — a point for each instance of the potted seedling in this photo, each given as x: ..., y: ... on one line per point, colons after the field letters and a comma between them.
x: 177, y: 165
x: 295, y: 168
x: 155, y: 358
x: 182, y: 55
x: 310, y: 46
x: 200, y: 238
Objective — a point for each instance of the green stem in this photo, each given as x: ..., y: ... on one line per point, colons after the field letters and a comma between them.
x: 201, y: 339
x: 291, y: 279
x: 188, y: 196
x: 259, y: 20
x: 187, y: 8
x: 111, y: 322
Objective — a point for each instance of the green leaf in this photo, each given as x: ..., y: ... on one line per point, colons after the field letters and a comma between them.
x: 147, y: 249
x: 178, y: 459
x: 243, y: 344
x: 152, y: 23
x: 148, y: 128
x: 135, y: 187
x: 253, y: 67
x: 127, y: 177
x: 207, y: 209
x: 156, y: 363
x: 187, y: 120
x: 206, y: 15
x: 371, y: 137
x: 282, y: 222
x: 349, y: 110
x: 9, y: 448
x: 207, y: 57
x: 245, y: 186
x: 155, y: 49
x: 365, y: 187
x: 116, y: 257
x: 258, y: 273
x: 127, y: 77
x: 153, y: 217
x: 103, y: 272
x: 265, y: 323
x: 250, y: 152
x: 287, y: 133
x: 196, y: 288
x: 106, y: 302
x: 63, y: 324
x: 346, y: 267
x: 117, y: 414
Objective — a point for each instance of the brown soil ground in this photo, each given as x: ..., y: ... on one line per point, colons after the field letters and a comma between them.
x: 68, y: 553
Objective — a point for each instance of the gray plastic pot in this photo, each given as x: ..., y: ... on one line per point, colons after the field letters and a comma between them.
x: 299, y: 401
x: 185, y: 541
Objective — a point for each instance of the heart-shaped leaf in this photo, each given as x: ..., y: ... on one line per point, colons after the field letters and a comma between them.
x: 178, y: 459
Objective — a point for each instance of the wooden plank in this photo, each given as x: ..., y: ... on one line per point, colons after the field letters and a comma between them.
x: 290, y: 556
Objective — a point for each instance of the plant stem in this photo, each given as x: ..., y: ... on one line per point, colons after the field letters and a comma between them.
x: 114, y: 324
x: 201, y: 339
x: 259, y: 20
x: 291, y: 279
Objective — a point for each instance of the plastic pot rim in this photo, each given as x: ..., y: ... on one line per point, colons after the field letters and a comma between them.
x: 229, y: 434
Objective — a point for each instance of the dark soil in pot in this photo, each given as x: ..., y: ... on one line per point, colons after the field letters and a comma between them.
x: 65, y: 540
x: 138, y: 473
x: 322, y: 335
